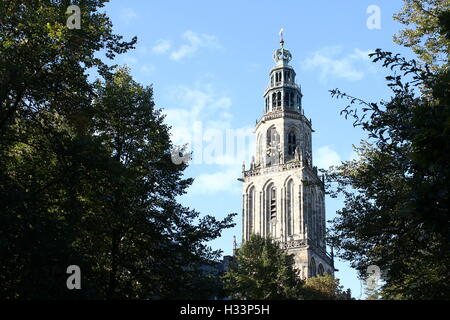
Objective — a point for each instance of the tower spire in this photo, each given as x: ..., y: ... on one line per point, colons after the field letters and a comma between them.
x: 281, y: 37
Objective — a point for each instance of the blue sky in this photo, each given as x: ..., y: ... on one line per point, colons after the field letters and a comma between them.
x: 208, y: 62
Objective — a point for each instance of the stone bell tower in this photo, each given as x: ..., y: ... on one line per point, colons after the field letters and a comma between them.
x: 283, y: 195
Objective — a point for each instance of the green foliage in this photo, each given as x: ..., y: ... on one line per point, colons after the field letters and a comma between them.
x: 395, y: 213
x: 262, y: 270
x: 152, y: 239
x: 324, y: 287
x: 86, y: 176
x: 425, y: 34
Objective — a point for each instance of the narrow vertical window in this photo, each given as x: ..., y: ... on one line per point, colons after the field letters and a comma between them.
x: 286, y: 99
x: 251, y: 211
x: 289, y: 206
x: 292, y: 142
x: 271, y: 210
x: 273, y: 203
x: 312, y: 268
x: 321, y: 270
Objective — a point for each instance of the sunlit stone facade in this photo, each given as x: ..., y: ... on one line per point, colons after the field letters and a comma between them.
x: 283, y: 195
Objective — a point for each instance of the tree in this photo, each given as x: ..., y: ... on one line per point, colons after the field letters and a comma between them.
x: 324, y: 287
x: 43, y: 63
x: 426, y: 37
x: 150, y: 247
x: 262, y: 270
x: 396, y: 192
x: 86, y: 176
x: 44, y: 94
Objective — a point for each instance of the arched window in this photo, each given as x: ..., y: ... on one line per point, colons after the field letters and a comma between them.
x: 321, y: 219
x: 271, y: 209
x: 279, y: 99
x: 312, y: 268
x: 274, y: 100
x: 315, y: 215
x: 277, y: 77
x: 272, y: 145
x: 308, y: 206
x: 260, y: 146
x: 286, y: 99
x: 289, y: 206
x: 292, y: 142
x: 251, y: 211
x: 273, y: 203
x: 291, y: 99
x: 321, y: 270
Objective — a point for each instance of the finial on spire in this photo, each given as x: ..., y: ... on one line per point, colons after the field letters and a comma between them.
x: 282, y: 56
x: 281, y: 37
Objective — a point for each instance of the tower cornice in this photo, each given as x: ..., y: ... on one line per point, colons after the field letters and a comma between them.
x: 284, y: 114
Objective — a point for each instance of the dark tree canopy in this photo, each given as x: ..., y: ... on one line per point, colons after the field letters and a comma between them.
x: 262, y: 270
x: 86, y: 176
x: 427, y: 30
x: 396, y: 209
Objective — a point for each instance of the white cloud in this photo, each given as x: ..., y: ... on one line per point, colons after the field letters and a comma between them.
x: 220, y: 181
x: 197, y: 104
x: 195, y: 42
x: 326, y: 157
x: 204, y: 114
x: 130, y: 60
x: 330, y: 63
x: 128, y: 15
x: 147, y: 68
x: 161, y: 46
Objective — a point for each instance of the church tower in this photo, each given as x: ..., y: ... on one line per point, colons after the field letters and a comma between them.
x: 283, y: 195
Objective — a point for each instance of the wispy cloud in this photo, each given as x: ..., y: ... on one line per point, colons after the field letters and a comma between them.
x: 130, y: 60
x: 147, y: 68
x: 203, y: 119
x: 325, y: 157
x: 330, y: 62
x: 198, y: 103
x: 128, y: 15
x: 195, y: 41
x: 217, y: 182
x: 161, y: 46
